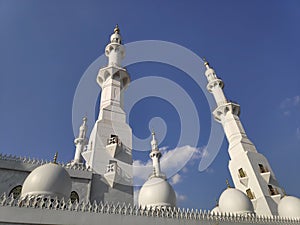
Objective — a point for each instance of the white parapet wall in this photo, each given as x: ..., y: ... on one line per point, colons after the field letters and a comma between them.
x: 46, y: 211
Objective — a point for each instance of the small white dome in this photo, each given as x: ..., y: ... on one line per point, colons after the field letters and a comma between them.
x: 157, y: 192
x: 50, y: 180
x: 289, y: 206
x: 235, y: 201
x: 115, y: 38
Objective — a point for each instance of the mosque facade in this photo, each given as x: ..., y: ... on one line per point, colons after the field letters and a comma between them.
x: 96, y: 187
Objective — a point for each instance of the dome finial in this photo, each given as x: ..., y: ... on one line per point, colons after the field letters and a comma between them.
x: 217, y: 202
x: 117, y: 29
x: 227, y: 183
x: 153, y: 133
x: 84, y: 119
x: 55, y: 158
x: 283, y: 191
x: 116, y: 38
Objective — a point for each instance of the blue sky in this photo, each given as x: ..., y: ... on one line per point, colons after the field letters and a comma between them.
x: 46, y: 46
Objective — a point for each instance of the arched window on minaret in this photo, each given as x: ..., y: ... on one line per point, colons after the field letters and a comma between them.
x: 242, y: 173
x: 262, y: 168
x: 250, y: 194
x: 74, y: 196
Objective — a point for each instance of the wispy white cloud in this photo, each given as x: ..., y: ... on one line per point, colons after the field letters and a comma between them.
x: 209, y: 170
x: 174, y: 160
x: 180, y: 198
x: 298, y: 133
x: 296, y: 100
x: 185, y: 169
x: 164, y: 148
x: 177, y: 178
x: 288, y: 104
x: 290, y: 107
x: 171, y: 162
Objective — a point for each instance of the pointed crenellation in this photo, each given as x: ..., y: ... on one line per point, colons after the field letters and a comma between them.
x: 39, y: 162
x: 36, y: 202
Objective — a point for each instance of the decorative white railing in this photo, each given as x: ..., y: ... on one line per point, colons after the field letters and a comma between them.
x: 38, y: 162
x: 132, y: 210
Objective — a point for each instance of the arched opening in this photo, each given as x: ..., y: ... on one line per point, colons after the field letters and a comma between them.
x: 16, y: 191
x: 74, y: 196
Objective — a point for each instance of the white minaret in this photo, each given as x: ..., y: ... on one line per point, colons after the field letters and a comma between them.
x: 156, y: 191
x: 109, y: 149
x: 155, y: 156
x: 250, y: 170
x: 80, y: 142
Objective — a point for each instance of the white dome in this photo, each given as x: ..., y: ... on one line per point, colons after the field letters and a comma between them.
x: 289, y: 206
x: 157, y: 192
x: 235, y: 201
x: 49, y: 180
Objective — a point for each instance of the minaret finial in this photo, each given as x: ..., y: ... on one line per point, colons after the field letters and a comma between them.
x: 154, y: 142
x: 217, y: 202
x: 227, y: 183
x: 153, y: 133
x: 55, y: 158
x: 206, y: 64
x: 117, y: 29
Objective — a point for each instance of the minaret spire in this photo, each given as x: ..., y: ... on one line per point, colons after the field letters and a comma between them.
x: 113, y: 78
x: 155, y: 155
x: 55, y: 158
x: 250, y: 170
x: 115, y: 50
x: 117, y: 29
x: 80, y: 142
x: 154, y: 142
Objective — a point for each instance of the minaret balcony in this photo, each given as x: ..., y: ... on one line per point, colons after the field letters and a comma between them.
x: 222, y: 110
x: 113, y: 72
x: 80, y: 140
x: 214, y: 83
